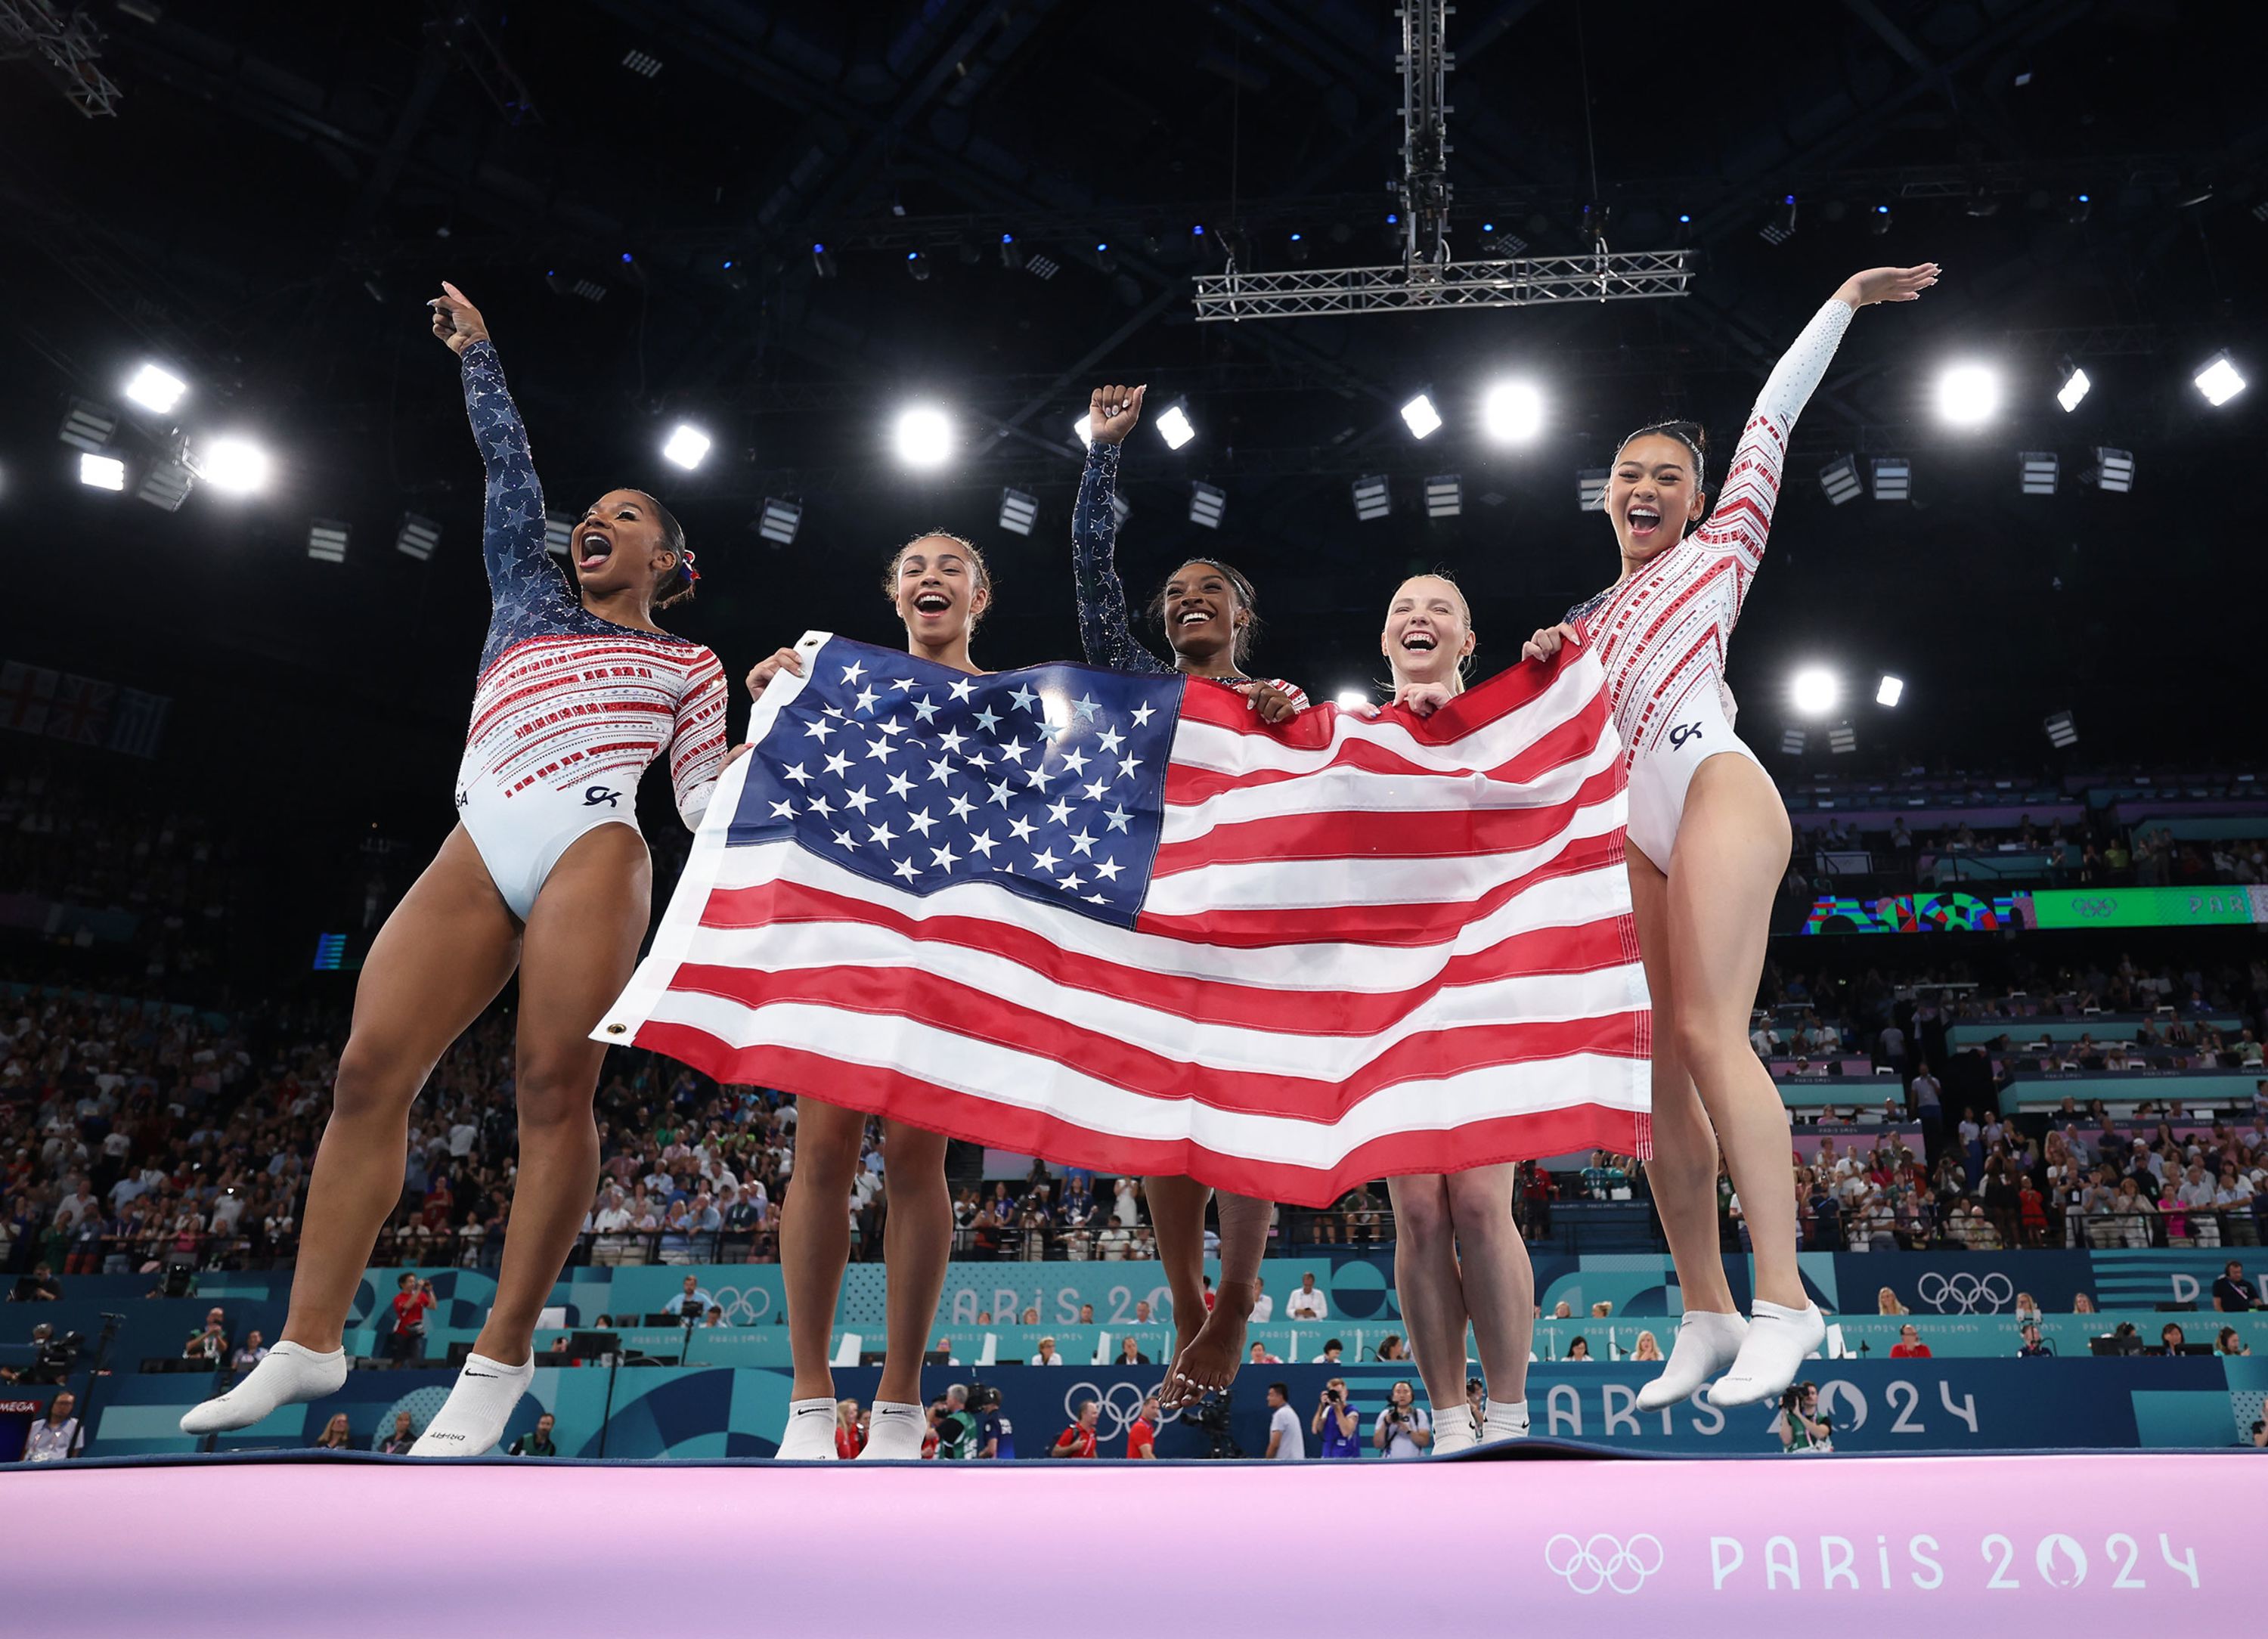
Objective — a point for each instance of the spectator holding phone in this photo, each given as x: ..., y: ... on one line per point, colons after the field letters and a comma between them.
x: 1334, y: 1423
x: 412, y: 1299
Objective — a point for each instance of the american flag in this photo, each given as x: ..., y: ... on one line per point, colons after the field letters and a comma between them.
x: 1118, y: 922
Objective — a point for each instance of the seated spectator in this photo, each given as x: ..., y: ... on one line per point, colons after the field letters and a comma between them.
x: 1331, y: 1352
x: 2032, y: 1349
x: 56, y: 1438
x: 1130, y: 1352
x: 1259, y: 1356
x: 539, y: 1443
x: 1646, y: 1347
x: 1306, y: 1304
x: 396, y: 1441
x: 336, y: 1435
x: 2228, y: 1342
x: 2171, y: 1339
x: 2232, y: 1293
x: 1047, y: 1356
x: 715, y: 1316
x: 1910, y: 1345
x: 211, y: 1343
x: 249, y: 1354
x: 1580, y: 1349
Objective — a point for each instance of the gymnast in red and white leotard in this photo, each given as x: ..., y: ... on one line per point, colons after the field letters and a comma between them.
x: 1708, y: 845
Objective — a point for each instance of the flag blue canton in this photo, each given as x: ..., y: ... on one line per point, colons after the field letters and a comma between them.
x: 1048, y: 782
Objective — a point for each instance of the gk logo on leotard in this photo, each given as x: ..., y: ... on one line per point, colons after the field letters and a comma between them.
x: 595, y: 795
x: 1683, y: 732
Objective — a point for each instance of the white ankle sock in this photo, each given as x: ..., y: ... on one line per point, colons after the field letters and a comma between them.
x: 894, y: 1431
x: 1505, y: 1420
x: 472, y: 1419
x: 1778, y: 1340
x: 809, y: 1437
x: 290, y: 1376
x: 1707, y: 1344
x: 1454, y: 1432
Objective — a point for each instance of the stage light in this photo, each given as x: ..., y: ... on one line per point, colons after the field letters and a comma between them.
x: 1120, y: 508
x: 2217, y: 381
x: 419, y: 537
x: 1791, y: 742
x: 1296, y: 248
x: 1781, y: 227
x: 687, y: 447
x: 642, y: 63
x: 1017, y: 511
x: 156, y: 389
x: 1206, y: 504
x: 627, y: 258
x: 2036, y: 471
x: 924, y: 437
x: 589, y: 289
x: 235, y: 465
x: 1445, y: 495
x: 558, y: 534
x: 1591, y: 488
x: 1012, y: 255
x: 1815, y: 690
x: 1893, y: 478
x: 1879, y: 222
x: 1082, y: 428
x: 101, y: 472
x: 327, y: 540
x: 1890, y: 690
x: 1174, y: 425
x: 1105, y: 258
x: 2078, y: 208
x: 779, y: 520
x: 1042, y: 267
x: 1511, y: 412
x: 2062, y: 733
x: 918, y: 265
x: 823, y: 262
x: 1967, y: 395
x: 2113, y: 472
x: 2074, y: 387
x: 89, y: 426
x: 1353, y: 699
x: 167, y: 484
x: 1842, y: 739
x: 1424, y: 421
x: 1371, y: 498
x: 1839, y: 478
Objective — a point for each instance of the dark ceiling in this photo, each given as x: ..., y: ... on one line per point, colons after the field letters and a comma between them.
x: 279, y: 187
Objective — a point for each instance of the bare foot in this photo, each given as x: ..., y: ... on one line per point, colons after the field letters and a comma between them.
x: 1177, y: 1392
x: 1210, y: 1361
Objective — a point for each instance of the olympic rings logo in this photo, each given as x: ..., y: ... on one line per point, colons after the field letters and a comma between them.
x: 742, y: 1306
x: 1116, y: 1409
x: 1966, y: 1294
x: 1604, y: 1562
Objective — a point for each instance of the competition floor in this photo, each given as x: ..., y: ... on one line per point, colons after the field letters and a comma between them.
x: 355, y: 1545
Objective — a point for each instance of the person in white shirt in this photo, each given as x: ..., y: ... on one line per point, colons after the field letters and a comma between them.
x: 1263, y: 1306
x: 1047, y: 1357
x: 54, y: 1438
x: 1403, y: 1429
x: 1306, y: 1304
x: 461, y: 1136
x: 1287, y: 1441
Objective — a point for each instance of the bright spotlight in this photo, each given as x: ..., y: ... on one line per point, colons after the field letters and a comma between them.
x: 2074, y: 389
x: 924, y: 437
x: 1423, y: 419
x: 156, y: 389
x: 1890, y: 691
x: 2217, y: 379
x: 1967, y: 395
x: 1353, y: 699
x: 685, y: 447
x: 1174, y: 426
x: 235, y: 464
x: 102, y: 472
x: 1083, y: 428
x: 1513, y: 412
x: 1815, y: 690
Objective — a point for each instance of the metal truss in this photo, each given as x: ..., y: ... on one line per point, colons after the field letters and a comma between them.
x: 69, y: 43
x: 1528, y: 282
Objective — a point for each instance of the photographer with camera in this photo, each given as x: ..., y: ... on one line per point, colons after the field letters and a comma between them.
x: 1334, y: 1422
x: 1404, y: 1429
x: 1804, y: 1431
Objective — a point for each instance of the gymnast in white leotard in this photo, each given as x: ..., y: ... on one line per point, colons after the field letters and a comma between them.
x: 546, y: 876
x: 1708, y: 844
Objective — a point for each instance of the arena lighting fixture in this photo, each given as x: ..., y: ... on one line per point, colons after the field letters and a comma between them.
x: 779, y: 520
x: 1042, y: 266
x: 1791, y: 742
x: 1591, y: 488
x: 2036, y: 471
x: 1445, y: 495
x: 1174, y: 425
x: 823, y: 262
x: 1781, y: 227
x: 642, y: 63
x: 1815, y: 691
x: 1017, y: 511
x: 924, y: 437
x: 688, y: 447
x: 101, y: 472
x: 1839, y: 478
x: 1967, y: 394
x: 1012, y: 255
x: 1206, y: 504
x: 589, y: 289
x: 2062, y: 733
x: 1893, y: 478
x: 1424, y: 420
x: 1879, y: 222
x: 2113, y: 472
x: 89, y: 426
x: 236, y: 465
x: 167, y: 484
x: 156, y: 389
x: 1890, y: 690
x: 327, y: 540
x: 1120, y: 508
x: 1372, y: 499
x: 918, y: 265
x: 2074, y: 387
x: 1353, y: 699
x: 1104, y: 258
x: 2217, y: 381
x: 1511, y: 412
x: 2078, y: 208
x: 558, y: 534
x: 1296, y: 248
x: 419, y: 537
x: 1842, y: 739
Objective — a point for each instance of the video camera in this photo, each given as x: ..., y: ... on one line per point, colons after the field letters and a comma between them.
x: 57, y: 1357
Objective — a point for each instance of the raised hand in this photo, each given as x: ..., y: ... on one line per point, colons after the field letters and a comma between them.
x: 1272, y: 703
x: 1424, y: 699
x: 1547, y: 640
x: 765, y: 670
x: 456, y: 321
x: 1886, y: 284
x: 1111, y: 413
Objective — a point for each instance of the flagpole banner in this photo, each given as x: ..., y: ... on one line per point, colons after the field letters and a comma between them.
x: 1118, y: 922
